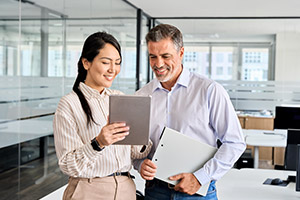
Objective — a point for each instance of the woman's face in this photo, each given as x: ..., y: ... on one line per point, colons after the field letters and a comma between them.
x: 103, y: 69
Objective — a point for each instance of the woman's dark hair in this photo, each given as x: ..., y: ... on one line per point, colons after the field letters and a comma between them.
x: 91, y: 48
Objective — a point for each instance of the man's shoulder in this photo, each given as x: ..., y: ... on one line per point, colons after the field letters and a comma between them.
x: 146, y: 89
x: 199, y: 79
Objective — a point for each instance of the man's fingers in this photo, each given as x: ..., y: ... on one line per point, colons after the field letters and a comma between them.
x: 188, y: 183
x: 148, y: 169
x: 176, y: 177
x: 150, y: 164
x: 148, y: 176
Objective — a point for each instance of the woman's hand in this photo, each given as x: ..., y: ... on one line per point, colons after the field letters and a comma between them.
x: 112, y: 133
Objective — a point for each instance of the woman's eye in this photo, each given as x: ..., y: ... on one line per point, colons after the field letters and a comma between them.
x: 118, y: 63
x: 105, y: 63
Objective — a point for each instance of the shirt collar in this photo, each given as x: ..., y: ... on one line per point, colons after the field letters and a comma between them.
x: 89, y: 92
x: 183, y: 80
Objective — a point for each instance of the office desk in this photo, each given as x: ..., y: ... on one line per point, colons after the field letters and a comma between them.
x: 266, y: 138
x: 16, y: 132
x: 19, y: 131
x: 247, y: 184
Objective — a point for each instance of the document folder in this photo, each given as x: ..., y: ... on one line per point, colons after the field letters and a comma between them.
x: 177, y: 153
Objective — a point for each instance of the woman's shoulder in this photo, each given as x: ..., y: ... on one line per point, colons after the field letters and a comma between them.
x: 68, y: 100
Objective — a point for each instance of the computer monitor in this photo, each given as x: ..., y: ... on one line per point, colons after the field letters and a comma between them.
x: 298, y: 169
x: 287, y: 117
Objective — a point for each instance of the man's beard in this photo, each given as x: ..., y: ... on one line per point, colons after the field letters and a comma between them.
x: 162, y: 77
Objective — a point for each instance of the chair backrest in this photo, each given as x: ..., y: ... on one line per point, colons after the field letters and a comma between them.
x: 293, y: 139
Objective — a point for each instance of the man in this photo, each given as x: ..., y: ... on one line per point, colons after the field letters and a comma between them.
x: 193, y: 105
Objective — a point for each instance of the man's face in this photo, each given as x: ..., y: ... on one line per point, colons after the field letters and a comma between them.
x: 165, y: 61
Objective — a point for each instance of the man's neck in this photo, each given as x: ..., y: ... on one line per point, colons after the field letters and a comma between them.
x: 170, y: 83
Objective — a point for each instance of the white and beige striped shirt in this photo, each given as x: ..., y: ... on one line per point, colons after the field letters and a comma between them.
x: 73, y: 137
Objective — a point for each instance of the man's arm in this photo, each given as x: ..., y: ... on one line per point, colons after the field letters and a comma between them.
x: 227, y: 128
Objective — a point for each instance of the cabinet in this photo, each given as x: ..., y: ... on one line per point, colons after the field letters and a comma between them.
x: 264, y: 123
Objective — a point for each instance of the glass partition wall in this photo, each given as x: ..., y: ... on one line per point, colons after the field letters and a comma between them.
x: 40, y: 44
x: 255, y: 59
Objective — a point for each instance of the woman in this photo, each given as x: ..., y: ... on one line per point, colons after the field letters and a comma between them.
x: 83, y: 137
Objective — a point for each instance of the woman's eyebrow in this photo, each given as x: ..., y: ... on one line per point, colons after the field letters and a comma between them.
x: 109, y: 58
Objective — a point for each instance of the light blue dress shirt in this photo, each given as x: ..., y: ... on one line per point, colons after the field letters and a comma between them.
x: 200, y: 108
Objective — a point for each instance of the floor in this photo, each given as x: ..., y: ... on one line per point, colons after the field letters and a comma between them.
x: 31, y: 184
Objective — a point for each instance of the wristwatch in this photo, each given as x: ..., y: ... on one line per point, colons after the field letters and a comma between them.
x: 96, y: 145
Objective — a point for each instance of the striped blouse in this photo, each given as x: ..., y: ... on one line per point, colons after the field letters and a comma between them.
x: 76, y: 156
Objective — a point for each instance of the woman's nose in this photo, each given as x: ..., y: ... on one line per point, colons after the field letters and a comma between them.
x: 112, y: 68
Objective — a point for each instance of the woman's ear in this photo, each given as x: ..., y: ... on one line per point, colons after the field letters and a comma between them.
x: 86, y: 63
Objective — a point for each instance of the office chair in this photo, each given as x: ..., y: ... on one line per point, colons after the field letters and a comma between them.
x: 293, y: 138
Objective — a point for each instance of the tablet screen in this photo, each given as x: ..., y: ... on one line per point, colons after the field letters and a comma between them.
x: 135, y: 111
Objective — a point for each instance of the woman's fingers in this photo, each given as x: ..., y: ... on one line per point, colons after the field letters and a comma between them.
x: 112, y: 133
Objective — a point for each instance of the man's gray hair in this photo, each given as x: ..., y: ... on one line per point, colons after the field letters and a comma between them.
x: 165, y: 31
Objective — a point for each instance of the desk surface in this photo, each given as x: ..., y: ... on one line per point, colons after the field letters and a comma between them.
x: 24, y: 130
x: 247, y: 184
x: 266, y: 138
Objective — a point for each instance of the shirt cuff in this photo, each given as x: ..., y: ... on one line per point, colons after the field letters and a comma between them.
x: 89, y: 151
x: 137, y: 164
x: 202, y: 176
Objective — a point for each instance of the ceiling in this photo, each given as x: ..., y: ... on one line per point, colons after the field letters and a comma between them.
x: 255, y: 20
x: 219, y: 8
x: 231, y: 22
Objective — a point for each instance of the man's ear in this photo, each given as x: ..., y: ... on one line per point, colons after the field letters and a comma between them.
x: 181, y: 52
x: 86, y: 63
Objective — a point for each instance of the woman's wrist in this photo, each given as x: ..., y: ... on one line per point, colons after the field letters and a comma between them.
x: 100, y: 143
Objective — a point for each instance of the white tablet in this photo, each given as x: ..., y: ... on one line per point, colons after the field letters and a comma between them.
x: 135, y: 111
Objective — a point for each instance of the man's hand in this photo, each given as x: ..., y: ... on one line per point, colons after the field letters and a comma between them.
x: 188, y: 183
x: 148, y: 169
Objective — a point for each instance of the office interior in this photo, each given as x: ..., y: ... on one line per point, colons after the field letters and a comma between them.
x: 252, y: 50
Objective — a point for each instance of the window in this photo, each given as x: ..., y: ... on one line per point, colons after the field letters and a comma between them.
x: 196, y: 59
x: 219, y: 70
x: 255, y: 64
x: 229, y: 70
x: 2, y: 61
x: 219, y: 57
x: 232, y: 61
x: 219, y: 65
x: 230, y: 58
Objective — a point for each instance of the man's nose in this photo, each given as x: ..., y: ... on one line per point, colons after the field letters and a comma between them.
x: 160, y: 62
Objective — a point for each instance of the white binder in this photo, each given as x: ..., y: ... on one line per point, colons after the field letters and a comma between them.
x: 177, y: 153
